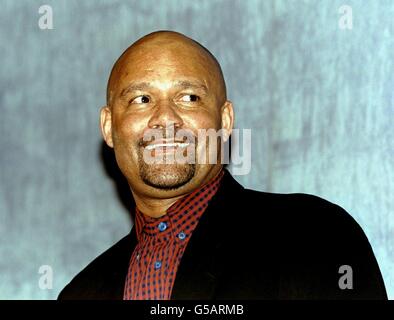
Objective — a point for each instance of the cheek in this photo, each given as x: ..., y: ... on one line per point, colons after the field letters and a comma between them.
x: 203, y: 121
x: 127, y: 130
x: 207, y: 147
x: 126, y: 133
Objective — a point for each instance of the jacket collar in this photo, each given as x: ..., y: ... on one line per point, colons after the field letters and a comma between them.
x: 199, y: 268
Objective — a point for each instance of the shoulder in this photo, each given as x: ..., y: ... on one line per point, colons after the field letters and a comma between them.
x: 300, y: 220
x: 92, y: 282
x: 301, y: 207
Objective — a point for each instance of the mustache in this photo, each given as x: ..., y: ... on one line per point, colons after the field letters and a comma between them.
x: 180, y: 136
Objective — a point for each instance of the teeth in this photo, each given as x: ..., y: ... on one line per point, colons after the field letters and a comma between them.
x: 168, y: 145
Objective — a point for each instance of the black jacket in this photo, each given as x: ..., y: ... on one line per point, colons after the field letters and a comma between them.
x: 254, y: 245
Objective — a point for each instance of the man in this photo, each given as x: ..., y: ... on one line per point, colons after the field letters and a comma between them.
x: 199, y: 234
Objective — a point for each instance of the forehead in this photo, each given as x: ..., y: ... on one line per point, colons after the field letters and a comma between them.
x: 160, y: 62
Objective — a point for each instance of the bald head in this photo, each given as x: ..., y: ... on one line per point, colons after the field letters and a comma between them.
x: 160, y: 49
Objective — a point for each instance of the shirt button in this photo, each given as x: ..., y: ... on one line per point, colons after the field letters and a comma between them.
x: 157, y: 264
x: 181, y: 235
x: 162, y: 226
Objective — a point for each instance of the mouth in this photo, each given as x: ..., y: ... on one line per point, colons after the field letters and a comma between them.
x: 168, y: 145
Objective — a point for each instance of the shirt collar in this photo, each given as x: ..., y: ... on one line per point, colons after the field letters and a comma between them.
x: 181, y: 218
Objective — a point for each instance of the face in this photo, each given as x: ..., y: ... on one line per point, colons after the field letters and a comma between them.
x: 165, y: 87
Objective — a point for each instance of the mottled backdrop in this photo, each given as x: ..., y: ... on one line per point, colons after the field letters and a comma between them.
x: 318, y: 98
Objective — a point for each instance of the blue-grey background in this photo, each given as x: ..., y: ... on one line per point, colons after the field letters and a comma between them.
x: 319, y: 101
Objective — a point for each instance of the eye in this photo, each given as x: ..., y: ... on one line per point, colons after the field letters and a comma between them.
x: 190, y: 98
x: 140, y: 99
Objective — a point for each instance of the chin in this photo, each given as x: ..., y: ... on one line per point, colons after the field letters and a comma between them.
x: 167, y: 176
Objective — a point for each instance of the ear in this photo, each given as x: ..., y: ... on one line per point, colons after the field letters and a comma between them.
x: 227, y: 119
x: 106, y: 125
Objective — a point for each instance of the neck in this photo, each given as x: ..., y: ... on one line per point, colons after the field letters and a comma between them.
x: 157, y: 207
x: 154, y: 208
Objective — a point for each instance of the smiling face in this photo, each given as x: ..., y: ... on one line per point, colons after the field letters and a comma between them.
x: 164, y: 83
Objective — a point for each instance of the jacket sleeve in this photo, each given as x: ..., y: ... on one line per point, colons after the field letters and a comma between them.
x: 359, y: 276
x: 326, y: 254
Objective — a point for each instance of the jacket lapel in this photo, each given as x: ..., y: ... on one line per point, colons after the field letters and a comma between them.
x: 119, y: 264
x: 201, y: 264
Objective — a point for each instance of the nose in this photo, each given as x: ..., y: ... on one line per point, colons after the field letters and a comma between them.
x: 165, y: 115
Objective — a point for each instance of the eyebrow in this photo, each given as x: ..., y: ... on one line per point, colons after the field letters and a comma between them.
x: 185, y: 84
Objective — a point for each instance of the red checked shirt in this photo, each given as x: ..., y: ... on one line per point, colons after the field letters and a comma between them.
x: 162, y: 242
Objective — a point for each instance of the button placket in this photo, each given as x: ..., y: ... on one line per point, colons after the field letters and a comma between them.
x: 162, y: 226
x: 181, y: 235
x: 157, y: 264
